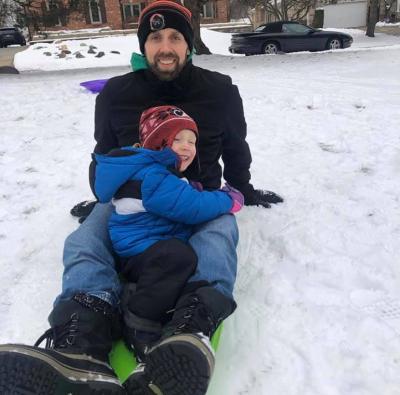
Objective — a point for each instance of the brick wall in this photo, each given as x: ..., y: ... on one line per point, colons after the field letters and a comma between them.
x: 222, y: 12
x: 113, y: 17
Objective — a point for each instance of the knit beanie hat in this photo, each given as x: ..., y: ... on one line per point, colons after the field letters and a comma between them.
x: 159, y: 125
x: 164, y: 14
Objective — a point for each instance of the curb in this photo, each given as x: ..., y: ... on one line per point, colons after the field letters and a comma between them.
x: 8, y: 70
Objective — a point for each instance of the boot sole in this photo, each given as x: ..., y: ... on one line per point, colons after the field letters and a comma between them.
x: 25, y: 370
x: 180, y: 365
x: 138, y: 384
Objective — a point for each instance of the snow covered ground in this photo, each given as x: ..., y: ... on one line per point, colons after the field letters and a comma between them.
x: 35, y: 58
x: 318, y: 282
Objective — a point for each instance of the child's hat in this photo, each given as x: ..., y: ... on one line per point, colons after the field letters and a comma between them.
x: 159, y: 125
x: 165, y: 14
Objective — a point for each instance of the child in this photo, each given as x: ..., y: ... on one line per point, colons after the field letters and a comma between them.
x: 154, y: 210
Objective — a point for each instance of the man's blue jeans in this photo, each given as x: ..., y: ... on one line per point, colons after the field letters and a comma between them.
x: 89, y: 264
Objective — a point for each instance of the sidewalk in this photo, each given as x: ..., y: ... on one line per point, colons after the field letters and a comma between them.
x: 394, y: 31
x: 7, y: 56
x: 391, y: 30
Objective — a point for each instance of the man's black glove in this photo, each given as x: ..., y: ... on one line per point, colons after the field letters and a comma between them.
x: 259, y: 197
x: 83, y: 209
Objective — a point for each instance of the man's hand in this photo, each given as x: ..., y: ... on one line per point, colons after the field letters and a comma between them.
x: 83, y: 209
x: 259, y: 197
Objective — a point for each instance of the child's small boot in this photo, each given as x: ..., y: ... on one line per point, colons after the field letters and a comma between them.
x: 140, y: 341
x: 182, y: 362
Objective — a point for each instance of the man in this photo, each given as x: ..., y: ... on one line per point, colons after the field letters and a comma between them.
x: 83, y: 322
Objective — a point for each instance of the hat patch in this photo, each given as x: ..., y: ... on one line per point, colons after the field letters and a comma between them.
x: 157, y: 22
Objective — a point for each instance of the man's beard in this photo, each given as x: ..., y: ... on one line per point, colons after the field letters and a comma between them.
x: 167, y: 75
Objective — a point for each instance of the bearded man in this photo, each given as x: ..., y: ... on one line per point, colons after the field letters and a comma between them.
x: 84, y: 321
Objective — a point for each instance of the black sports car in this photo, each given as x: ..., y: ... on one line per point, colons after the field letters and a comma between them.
x: 287, y: 36
x: 11, y: 36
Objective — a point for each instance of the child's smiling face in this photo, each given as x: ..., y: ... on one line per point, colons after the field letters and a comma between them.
x: 184, y: 145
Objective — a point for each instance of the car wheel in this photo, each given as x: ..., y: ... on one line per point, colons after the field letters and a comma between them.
x: 270, y: 48
x: 334, y: 43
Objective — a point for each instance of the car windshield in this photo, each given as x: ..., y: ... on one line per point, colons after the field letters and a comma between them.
x: 295, y: 28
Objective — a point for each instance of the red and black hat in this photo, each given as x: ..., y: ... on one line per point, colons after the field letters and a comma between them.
x: 164, y: 14
x: 159, y: 125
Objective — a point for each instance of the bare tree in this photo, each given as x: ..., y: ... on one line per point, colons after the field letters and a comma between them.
x: 195, y: 7
x: 240, y: 8
x: 7, y: 13
x: 372, y: 18
x: 295, y: 10
x: 37, y: 15
x: 388, y: 8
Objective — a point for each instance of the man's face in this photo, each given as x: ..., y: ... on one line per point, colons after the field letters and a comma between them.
x: 166, y: 52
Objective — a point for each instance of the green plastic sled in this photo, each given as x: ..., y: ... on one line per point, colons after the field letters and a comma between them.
x: 123, y: 361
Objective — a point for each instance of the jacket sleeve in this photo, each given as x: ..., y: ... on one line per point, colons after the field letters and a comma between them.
x: 166, y: 195
x: 111, y: 173
x: 104, y: 135
x: 235, y: 150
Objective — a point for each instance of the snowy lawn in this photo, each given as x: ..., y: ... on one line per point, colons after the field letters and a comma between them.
x: 35, y: 58
x: 318, y: 282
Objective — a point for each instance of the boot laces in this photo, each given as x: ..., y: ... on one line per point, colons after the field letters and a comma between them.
x: 60, y: 336
x: 193, y: 318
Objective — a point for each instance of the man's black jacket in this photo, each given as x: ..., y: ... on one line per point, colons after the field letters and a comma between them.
x: 208, y: 97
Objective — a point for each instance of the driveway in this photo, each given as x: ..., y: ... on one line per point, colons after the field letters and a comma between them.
x: 7, y: 55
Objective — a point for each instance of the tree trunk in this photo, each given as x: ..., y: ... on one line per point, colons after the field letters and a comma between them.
x: 372, y: 18
x: 195, y: 6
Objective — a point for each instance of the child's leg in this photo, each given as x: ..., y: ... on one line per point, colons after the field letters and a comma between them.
x: 182, y: 359
x: 160, y: 274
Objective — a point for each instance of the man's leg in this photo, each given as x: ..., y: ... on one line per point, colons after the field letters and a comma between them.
x: 89, y: 265
x: 75, y: 359
x: 215, y: 245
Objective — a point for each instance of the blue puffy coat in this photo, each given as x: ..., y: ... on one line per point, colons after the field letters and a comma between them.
x: 151, y: 202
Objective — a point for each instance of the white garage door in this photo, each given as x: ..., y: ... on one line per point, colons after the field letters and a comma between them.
x: 352, y: 14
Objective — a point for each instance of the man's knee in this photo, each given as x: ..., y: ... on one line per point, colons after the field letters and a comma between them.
x: 89, y: 238
x: 224, y: 226
x: 228, y: 224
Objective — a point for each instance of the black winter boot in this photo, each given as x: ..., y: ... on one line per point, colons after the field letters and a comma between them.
x: 140, y: 335
x: 140, y: 341
x: 182, y: 362
x: 75, y: 358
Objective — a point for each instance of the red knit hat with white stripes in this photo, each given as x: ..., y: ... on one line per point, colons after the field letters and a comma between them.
x: 159, y: 125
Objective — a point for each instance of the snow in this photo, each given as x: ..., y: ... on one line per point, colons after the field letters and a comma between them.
x: 318, y: 281
x: 388, y: 24
x: 34, y: 57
